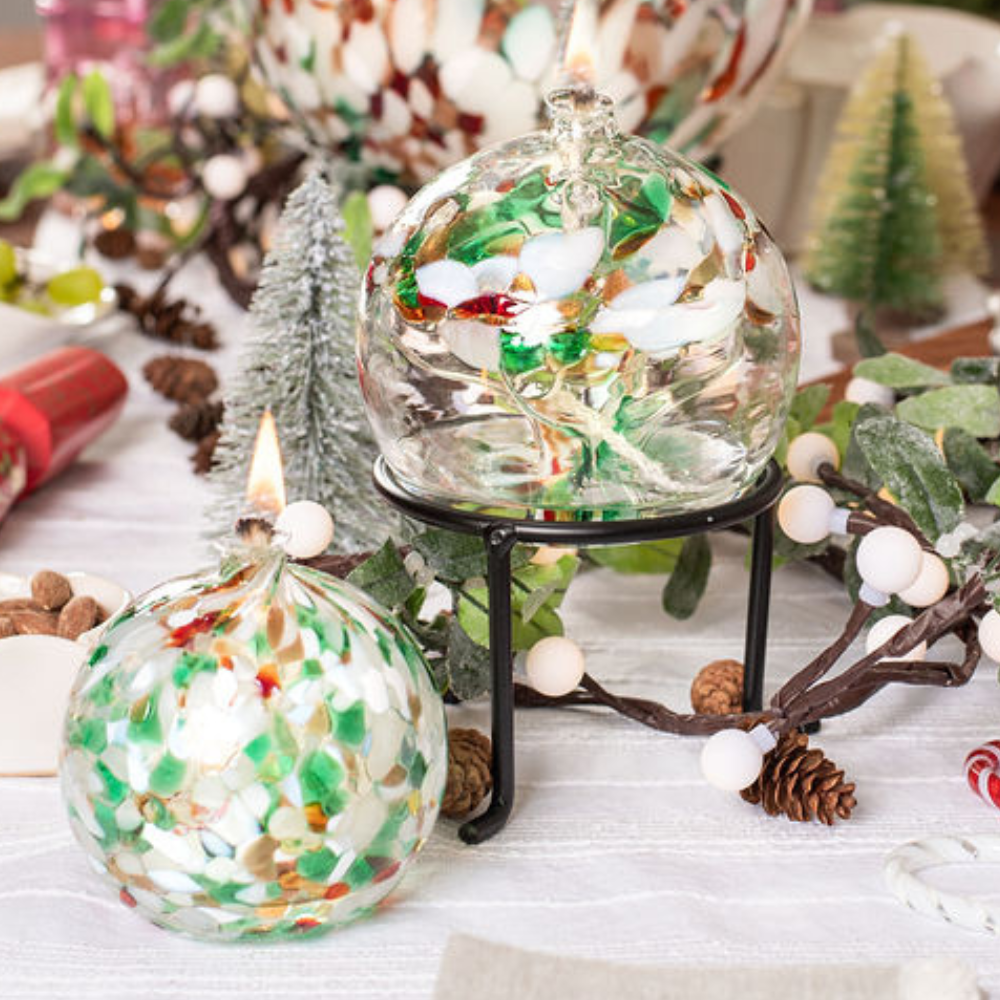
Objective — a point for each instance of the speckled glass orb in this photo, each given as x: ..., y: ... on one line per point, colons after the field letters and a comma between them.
x: 412, y: 86
x: 578, y: 322
x: 255, y: 752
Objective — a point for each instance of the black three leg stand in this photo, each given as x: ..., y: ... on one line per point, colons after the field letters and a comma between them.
x: 501, y: 534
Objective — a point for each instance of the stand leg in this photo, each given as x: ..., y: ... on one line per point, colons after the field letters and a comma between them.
x: 758, y: 608
x: 500, y: 540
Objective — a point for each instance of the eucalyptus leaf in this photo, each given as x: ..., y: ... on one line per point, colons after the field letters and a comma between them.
x: 63, y: 123
x: 983, y: 370
x: 914, y: 471
x: 40, y: 180
x: 453, y: 557
x: 855, y: 464
x: 970, y: 462
x: 168, y: 20
x: 384, y: 577
x: 808, y: 403
x: 358, y: 226
x: 99, y: 104
x: 899, y: 372
x: 688, y: 581
x: 993, y: 493
x: 839, y: 428
x: 973, y: 408
x: 467, y: 665
x: 644, y: 557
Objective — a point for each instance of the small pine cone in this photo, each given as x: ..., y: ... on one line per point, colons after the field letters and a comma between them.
x: 469, y: 777
x: 185, y: 380
x: 801, y: 783
x: 718, y: 688
x: 194, y: 421
x: 203, y: 459
x: 115, y: 244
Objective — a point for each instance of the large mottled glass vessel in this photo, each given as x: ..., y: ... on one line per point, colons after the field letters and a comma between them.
x: 254, y: 751
x: 578, y: 322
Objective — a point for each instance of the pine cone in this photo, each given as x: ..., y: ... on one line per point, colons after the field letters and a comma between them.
x: 203, y: 459
x: 469, y: 778
x: 801, y: 783
x: 718, y: 688
x: 185, y: 380
x: 176, y: 320
x: 194, y: 421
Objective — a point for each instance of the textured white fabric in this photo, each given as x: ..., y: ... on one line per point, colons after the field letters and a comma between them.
x: 487, y: 971
x: 617, y: 849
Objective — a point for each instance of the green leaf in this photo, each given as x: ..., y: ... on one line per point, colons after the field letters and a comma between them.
x: 62, y: 122
x: 983, y: 370
x: 384, y: 577
x: 808, y: 404
x: 454, y: 558
x: 645, y: 557
x: 473, y: 604
x: 168, y: 21
x: 789, y: 433
x: 993, y: 493
x: 358, y: 226
x: 855, y: 465
x: 40, y: 180
x: 970, y: 462
x: 914, y: 471
x: 973, y: 408
x: 839, y: 429
x: 467, y: 665
x: 899, y: 372
x: 688, y: 581
x: 99, y: 104
x: 201, y: 43
x: 869, y: 345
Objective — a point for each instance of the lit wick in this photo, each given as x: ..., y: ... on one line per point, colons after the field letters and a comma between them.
x: 265, y: 484
x: 579, y: 69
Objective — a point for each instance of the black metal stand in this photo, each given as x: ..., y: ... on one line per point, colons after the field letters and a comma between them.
x: 500, y: 535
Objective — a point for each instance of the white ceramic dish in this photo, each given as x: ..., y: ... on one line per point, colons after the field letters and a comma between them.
x: 36, y: 675
x: 24, y: 334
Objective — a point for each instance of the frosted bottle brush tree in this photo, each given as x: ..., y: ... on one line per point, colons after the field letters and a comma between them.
x: 299, y: 362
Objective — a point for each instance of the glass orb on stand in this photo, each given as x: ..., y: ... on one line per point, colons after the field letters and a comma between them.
x: 578, y: 324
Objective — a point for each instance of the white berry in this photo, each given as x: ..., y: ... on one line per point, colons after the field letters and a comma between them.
x: 889, y: 559
x: 930, y: 585
x: 807, y: 453
x: 555, y: 665
x: 731, y: 760
x: 804, y: 514
x: 305, y: 529
x: 989, y: 635
x: 385, y: 202
x: 224, y: 176
x: 216, y: 96
x: 180, y: 98
x: 884, y: 629
x: 864, y: 390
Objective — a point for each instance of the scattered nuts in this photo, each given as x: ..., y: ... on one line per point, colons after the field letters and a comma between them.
x: 78, y: 616
x: 19, y: 604
x: 34, y: 622
x: 51, y: 590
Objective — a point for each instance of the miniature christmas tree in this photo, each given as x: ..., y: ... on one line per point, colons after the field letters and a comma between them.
x: 299, y: 362
x: 895, y: 212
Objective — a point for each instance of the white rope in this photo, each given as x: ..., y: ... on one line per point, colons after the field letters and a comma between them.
x: 903, y: 864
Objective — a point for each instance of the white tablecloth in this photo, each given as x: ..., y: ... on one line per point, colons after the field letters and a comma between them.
x: 617, y: 849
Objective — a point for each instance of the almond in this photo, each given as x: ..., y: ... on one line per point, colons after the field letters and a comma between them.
x: 79, y: 616
x: 52, y: 590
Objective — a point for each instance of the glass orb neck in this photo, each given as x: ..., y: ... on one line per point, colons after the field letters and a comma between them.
x: 581, y: 113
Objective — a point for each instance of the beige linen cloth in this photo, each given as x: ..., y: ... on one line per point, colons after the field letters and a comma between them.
x: 472, y: 969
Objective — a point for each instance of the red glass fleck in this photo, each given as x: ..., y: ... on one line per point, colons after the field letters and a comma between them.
x: 267, y: 678
x: 182, y: 635
x: 337, y: 890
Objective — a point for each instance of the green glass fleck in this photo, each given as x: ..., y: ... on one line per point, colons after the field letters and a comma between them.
x: 98, y: 654
x: 348, y: 726
x: 144, y: 721
x: 168, y: 776
x: 359, y: 874
x: 91, y: 734
x: 418, y: 770
x: 516, y: 357
x: 257, y: 749
x: 260, y: 645
x: 312, y: 668
x: 317, y: 865
x: 568, y: 348
x: 114, y: 789
x: 103, y: 692
x: 319, y: 777
x: 190, y: 664
x: 106, y: 819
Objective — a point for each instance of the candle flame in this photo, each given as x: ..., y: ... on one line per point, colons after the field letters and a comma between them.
x: 579, y: 62
x: 266, y: 483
